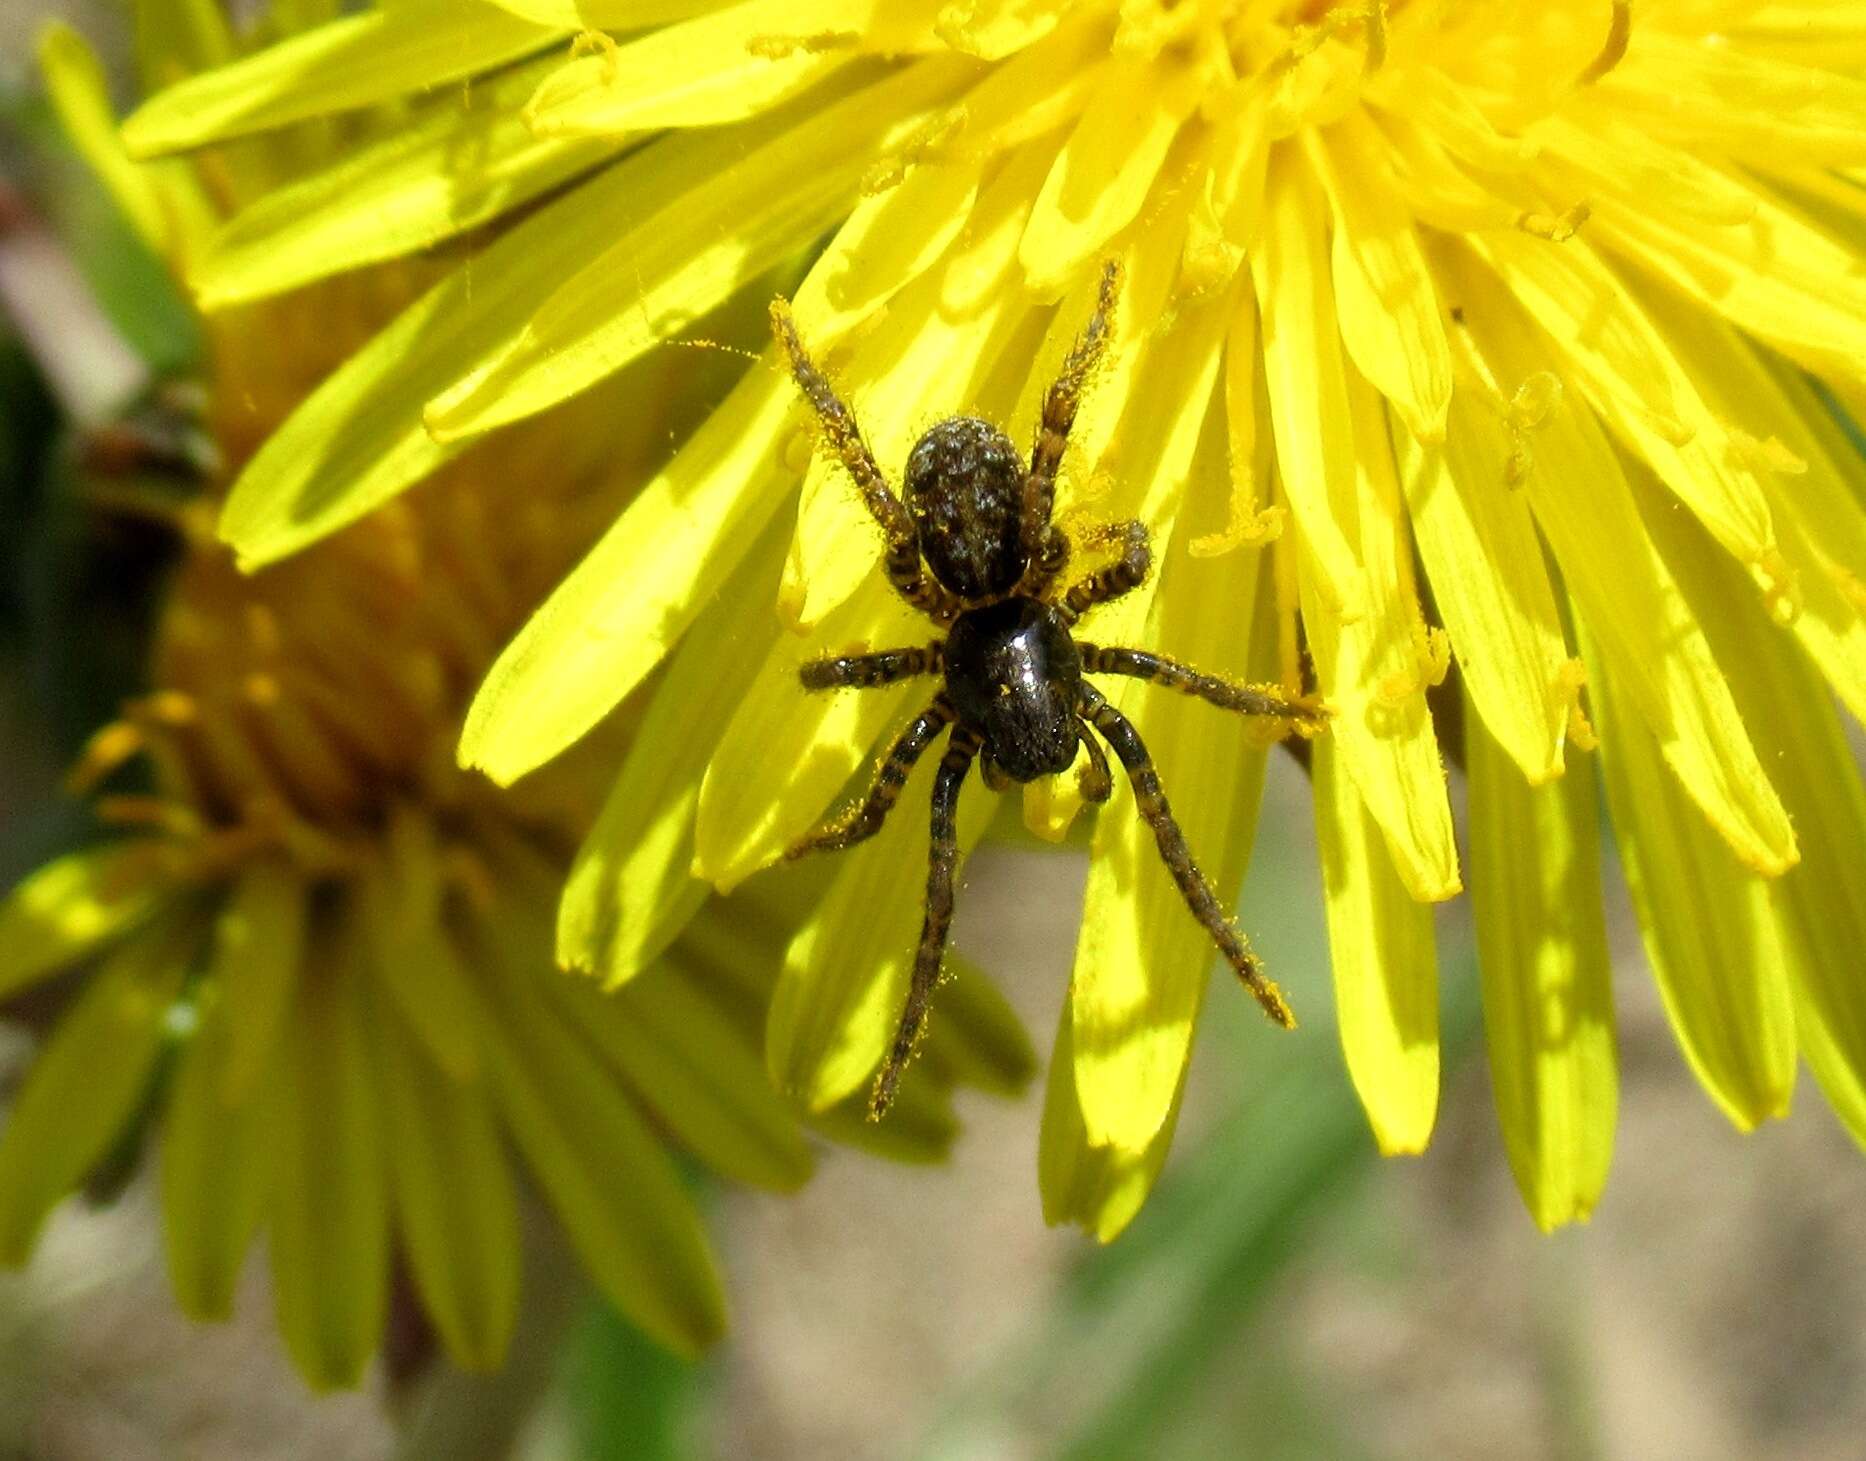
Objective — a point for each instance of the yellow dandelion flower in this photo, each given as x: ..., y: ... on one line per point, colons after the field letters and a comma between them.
x: 1503, y: 336
x: 316, y: 957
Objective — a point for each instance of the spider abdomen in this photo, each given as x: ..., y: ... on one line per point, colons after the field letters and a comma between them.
x: 1014, y: 675
x: 965, y: 493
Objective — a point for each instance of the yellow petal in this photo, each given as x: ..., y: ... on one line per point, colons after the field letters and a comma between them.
x: 176, y: 38
x: 1374, y: 671
x: 1484, y: 561
x: 606, y: 1176
x: 414, y: 958
x: 259, y: 941
x: 1818, y: 908
x: 71, y: 908
x: 631, y: 888
x: 1098, y: 1188
x: 1107, y: 167
x: 347, y: 63
x: 329, y: 1228
x: 456, y: 1214
x: 626, y: 604
x: 215, y: 1162
x: 449, y: 170
x: 1385, y: 300
x: 668, y: 259
x: 723, y: 66
x: 1644, y: 631
x: 1711, y: 935
x: 1548, y: 998
x: 979, y: 1040
x: 1308, y: 384
x: 1633, y: 379
x: 1143, y: 962
x: 88, y: 1079
x: 1386, y: 981
x: 839, y: 998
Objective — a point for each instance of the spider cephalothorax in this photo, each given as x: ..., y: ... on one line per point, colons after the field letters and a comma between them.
x: 973, y: 547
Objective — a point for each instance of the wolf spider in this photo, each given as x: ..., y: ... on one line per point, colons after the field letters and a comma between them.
x: 973, y: 548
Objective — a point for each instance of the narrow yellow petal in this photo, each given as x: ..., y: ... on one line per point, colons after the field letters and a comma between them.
x: 1143, y: 963
x: 259, y: 941
x: 411, y: 954
x: 1818, y: 908
x: 88, y: 1079
x: 1386, y: 980
x: 329, y: 1211
x: 718, y: 67
x: 1711, y: 935
x: 215, y: 1162
x: 665, y: 261
x: 846, y: 967
x: 1779, y: 277
x: 350, y: 62
x: 979, y: 1040
x: 1374, y: 671
x: 631, y: 888
x: 1098, y: 1188
x: 449, y: 170
x: 1308, y: 384
x: 1481, y: 553
x: 620, y: 611
x: 787, y: 752
x: 1631, y: 376
x: 1548, y: 998
x: 604, y: 1172
x: 1107, y: 167
x: 456, y: 1212
x: 1385, y: 300
x: 69, y: 909
x: 1644, y: 630
x: 176, y: 38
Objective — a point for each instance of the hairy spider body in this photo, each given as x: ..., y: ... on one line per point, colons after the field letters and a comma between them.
x: 971, y: 544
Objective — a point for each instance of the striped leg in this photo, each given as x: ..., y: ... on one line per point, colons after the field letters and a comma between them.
x: 1268, y: 700
x: 1178, y: 857
x: 911, y: 581
x: 1046, y: 547
x: 866, y: 671
x: 1127, y: 572
x: 942, y: 864
x: 1097, y: 785
x: 864, y: 819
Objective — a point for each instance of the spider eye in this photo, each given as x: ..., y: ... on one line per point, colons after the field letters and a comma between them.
x: 964, y: 488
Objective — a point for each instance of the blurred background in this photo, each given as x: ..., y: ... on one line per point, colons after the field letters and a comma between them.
x: 1284, y: 1294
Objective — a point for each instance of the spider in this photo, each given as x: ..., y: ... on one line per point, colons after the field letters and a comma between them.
x: 972, y: 547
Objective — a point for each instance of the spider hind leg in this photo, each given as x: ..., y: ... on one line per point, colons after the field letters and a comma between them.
x: 1193, y: 886
x: 942, y: 864
x: 864, y: 819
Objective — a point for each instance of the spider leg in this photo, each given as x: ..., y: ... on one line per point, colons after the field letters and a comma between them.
x: 1198, y: 892
x: 1127, y: 572
x: 942, y: 863
x: 1096, y: 784
x: 1266, y: 700
x: 864, y: 819
x: 1045, y: 546
x: 911, y: 581
x: 866, y: 671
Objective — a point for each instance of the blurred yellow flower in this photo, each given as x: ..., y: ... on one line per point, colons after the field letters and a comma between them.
x: 1548, y: 299
x: 317, y: 954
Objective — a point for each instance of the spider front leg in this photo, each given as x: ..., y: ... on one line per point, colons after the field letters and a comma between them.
x: 867, y: 671
x: 904, y: 569
x: 1126, y: 573
x: 864, y: 819
x: 943, y: 862
x: 1197, y: 892
x: 1044, y: 545
x: 1265, y: 700
x: 1093, y: 779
